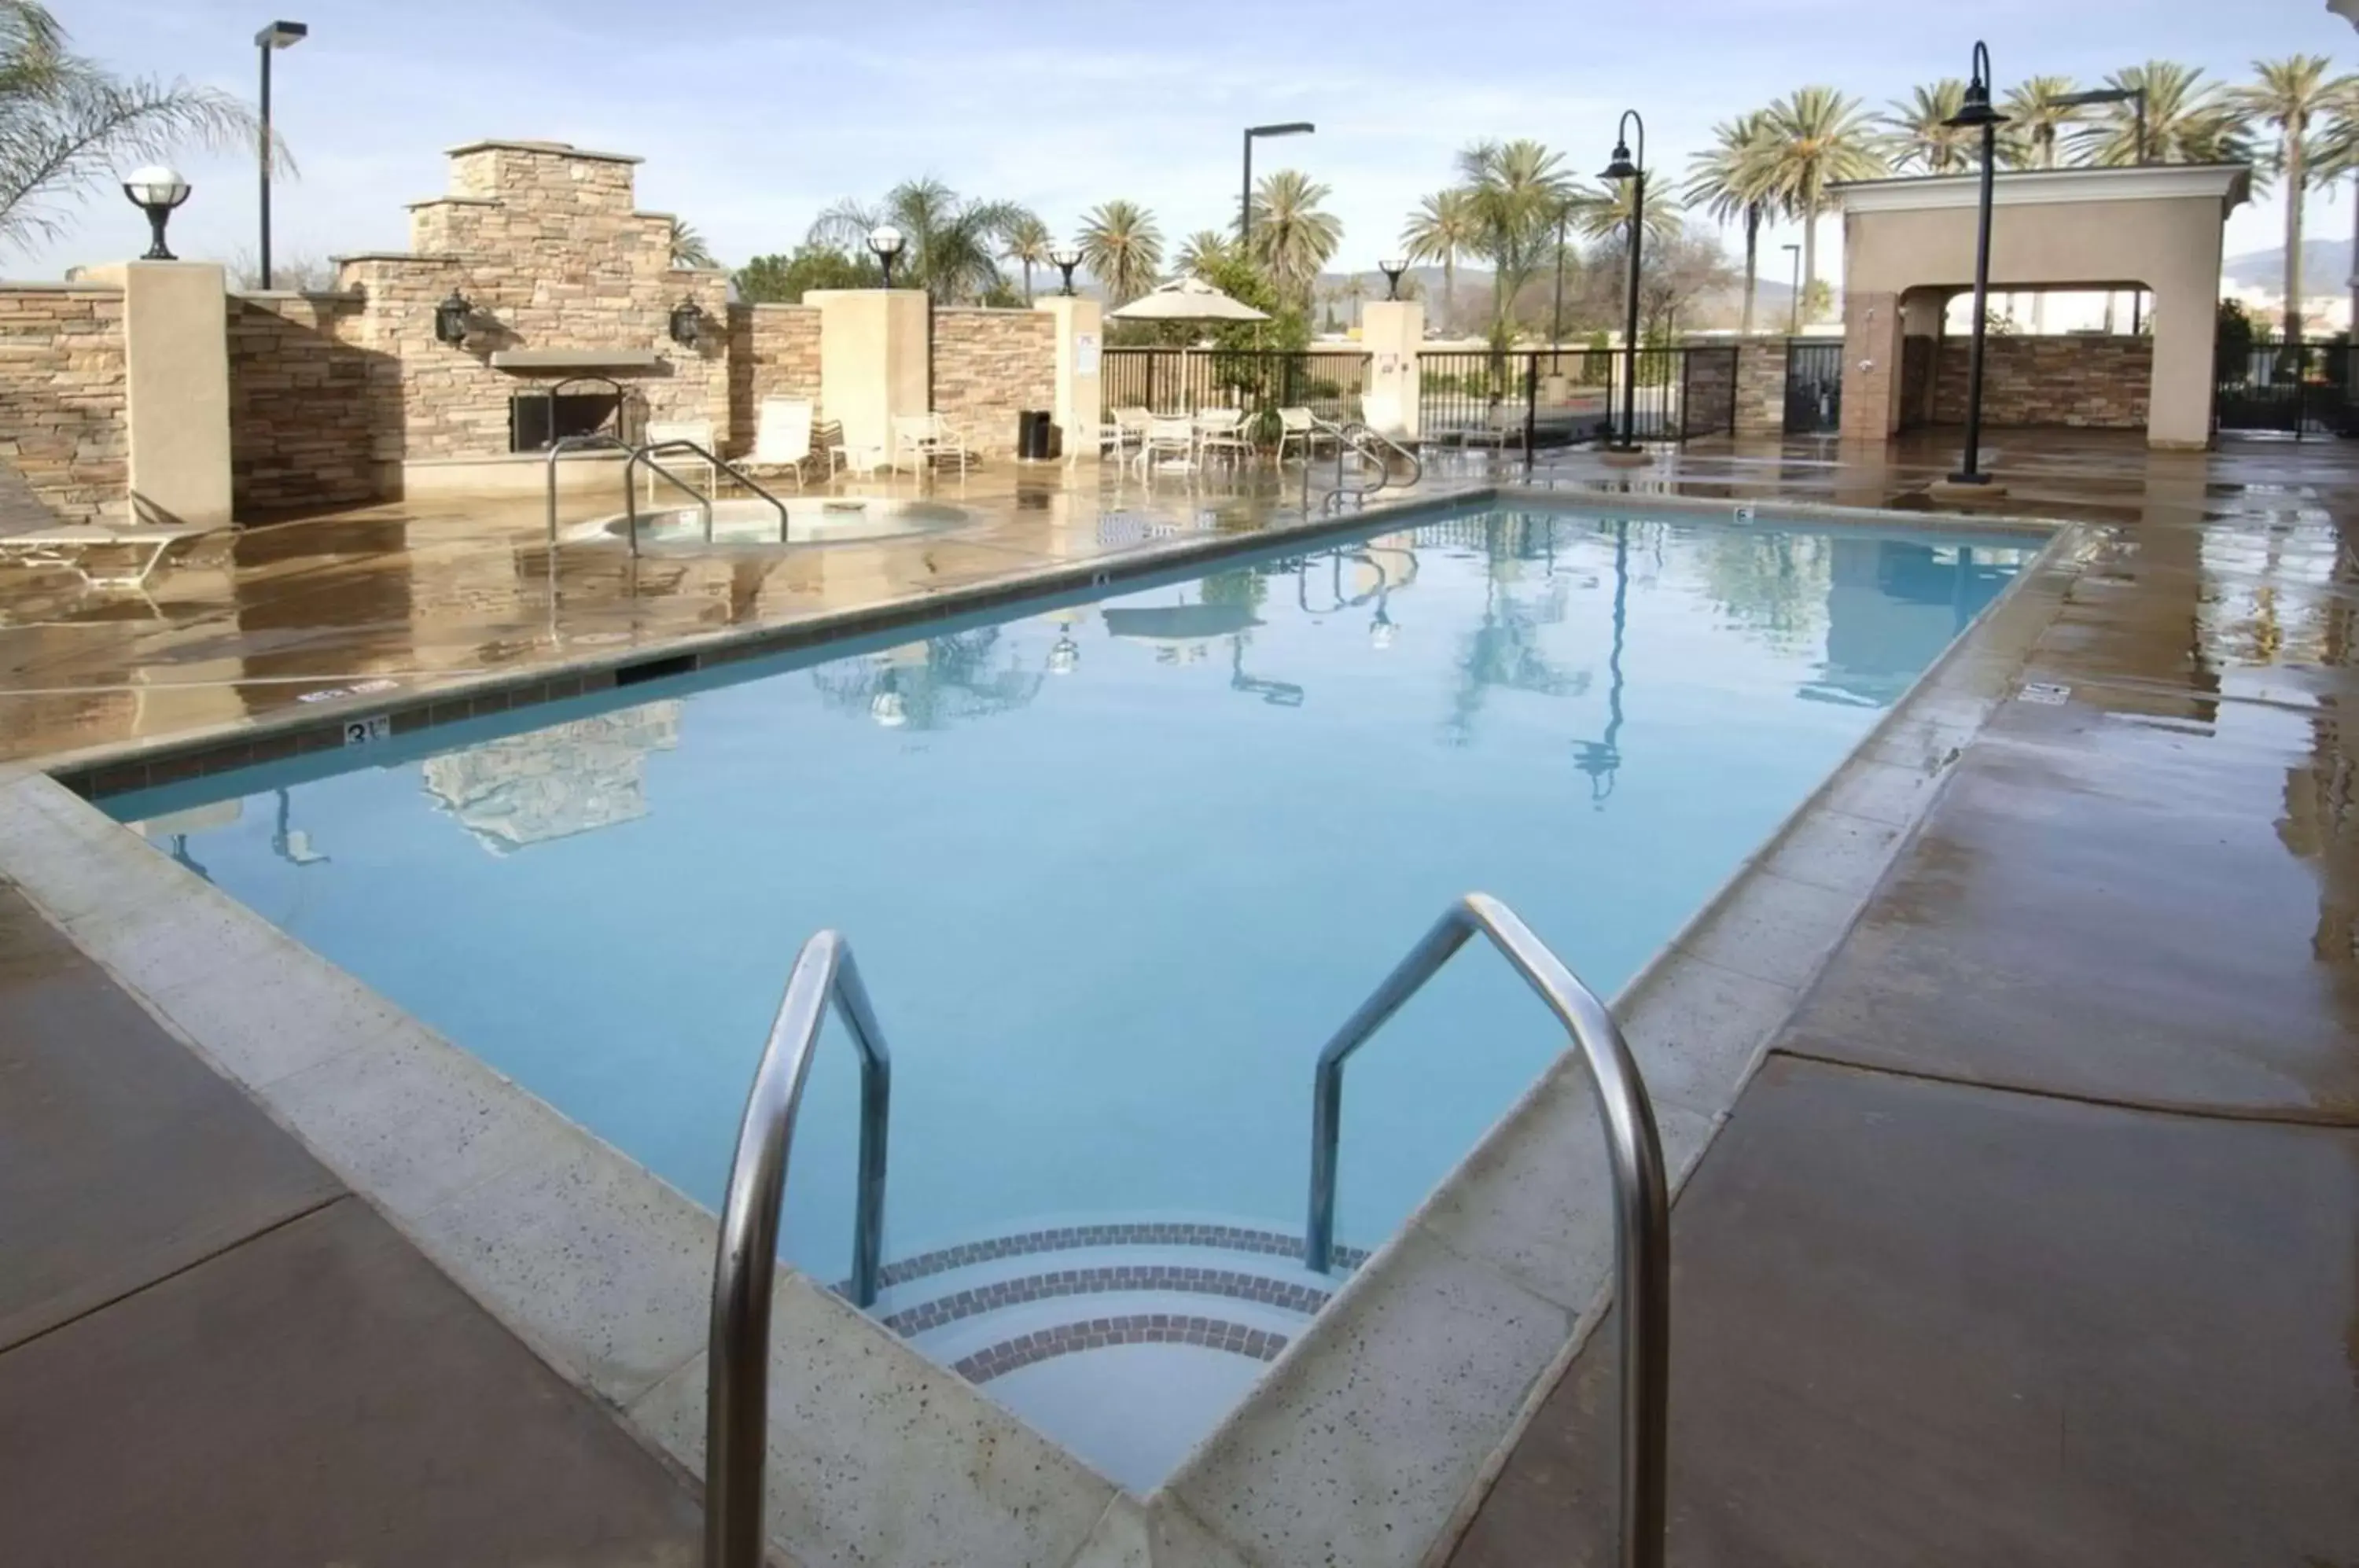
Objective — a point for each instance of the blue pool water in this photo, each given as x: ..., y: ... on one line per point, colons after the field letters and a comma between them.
x: 1113, y: 871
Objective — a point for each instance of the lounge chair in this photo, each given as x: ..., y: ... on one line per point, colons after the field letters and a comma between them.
x: 64, y: 545
x: 1300, y: 425
x: 782, y: 438
x: 659, y: 431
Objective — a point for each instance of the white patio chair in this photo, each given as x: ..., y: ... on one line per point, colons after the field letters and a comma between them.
x: 1301, y: 426
x: 659, y: 432
x: 782, y: 438
x: 1223, y: 431
x: 923, y: 440
x: 1133, y: 421
x: 1172, y: 441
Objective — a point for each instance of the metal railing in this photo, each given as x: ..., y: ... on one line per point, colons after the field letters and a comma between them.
x: 647, y: 454
x: 1569, y: 396
x: 1182, y: 380
x: 601, y: 440
x: 746, y: 1262
x: 1642, y: 1235
x: 1357, y: 438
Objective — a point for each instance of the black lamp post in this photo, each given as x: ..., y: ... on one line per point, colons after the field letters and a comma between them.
x: 276, y: 35
x: 1064, y: 259
x: 2135, y: 95
x: 1556, y: 313
x: 156, y: 191
x: 886, y: 241
x: 1976, y: 112
x: 1623, y: 166
x: 1392, y: 271
x: 1245, y: 207
x: 1794, y: 306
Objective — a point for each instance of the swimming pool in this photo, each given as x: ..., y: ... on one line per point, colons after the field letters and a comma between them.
x: 1114, y: 871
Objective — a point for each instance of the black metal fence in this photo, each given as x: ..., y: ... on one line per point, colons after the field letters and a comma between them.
x: 1813, y: 386
x: 2298, y: 390
x: 1179, y: 381
x: 1566, y: 397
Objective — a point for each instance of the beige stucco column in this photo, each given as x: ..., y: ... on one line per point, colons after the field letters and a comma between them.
x: 1871, y: 371
x: 875, y: 355
x: 1080, y: 341
x: 2178, y: 406
x: 176, y: 389
x: 1393, y: 332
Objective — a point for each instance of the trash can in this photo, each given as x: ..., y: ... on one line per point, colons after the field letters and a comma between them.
x: 1028, y: 432
x: 1053, y: 445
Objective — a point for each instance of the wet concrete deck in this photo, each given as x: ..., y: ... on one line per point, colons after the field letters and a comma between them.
x: 213, y: 1352
x: 2038, y: 1238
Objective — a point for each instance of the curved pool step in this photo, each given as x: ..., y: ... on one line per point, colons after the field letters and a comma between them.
x: 1072, y: 1238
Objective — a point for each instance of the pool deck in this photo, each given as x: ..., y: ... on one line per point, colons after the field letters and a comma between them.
x: 2032, y: 1242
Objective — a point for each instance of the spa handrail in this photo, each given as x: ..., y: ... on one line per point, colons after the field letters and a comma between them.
x: 601, y: 440
x: 1356, y: 437
x: 1642, y: 1235
x: 725, y: 467
x: 746, y: 1261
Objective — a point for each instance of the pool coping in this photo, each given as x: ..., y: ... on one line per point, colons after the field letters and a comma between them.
x: 1377, y: 1429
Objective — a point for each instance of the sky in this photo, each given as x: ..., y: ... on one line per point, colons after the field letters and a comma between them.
x: 752, y: 117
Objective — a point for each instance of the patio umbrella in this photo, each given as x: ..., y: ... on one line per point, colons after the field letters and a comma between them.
x: 1166, y: 625
x: 1187, y: 299
x: 2347, y: 9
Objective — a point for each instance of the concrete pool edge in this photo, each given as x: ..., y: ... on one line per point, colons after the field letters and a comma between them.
x: 600, y: 1266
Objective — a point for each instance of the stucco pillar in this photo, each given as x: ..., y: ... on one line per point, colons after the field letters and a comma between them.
x: 875, y: 359
x: 1081, y: 338
x: 1871, y: 370
x: 2178, y: 406
x: 1393, y: 332
x: 176, y: 389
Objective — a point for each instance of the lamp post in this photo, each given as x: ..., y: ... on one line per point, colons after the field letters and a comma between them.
x: 1975, y: 113
x: 157, y: 190
x: 1623, y: 166
x: 1794, y: 305
x: 1245, y: 207
x: 1064, y: 259
x: 2115, y: 95
x: 1392, y: 271
x: 886, y: 241
x: 272, y: 39
x: 1556, y: 313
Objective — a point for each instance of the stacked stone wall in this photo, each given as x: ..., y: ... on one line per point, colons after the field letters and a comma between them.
x: 63, y: 425
x: 2091, y: 383
x: 301, y: 404
x: 991, y: 365
x: 773, y: 352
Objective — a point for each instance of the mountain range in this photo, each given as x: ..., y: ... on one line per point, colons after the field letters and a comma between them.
x: 2325, y: 268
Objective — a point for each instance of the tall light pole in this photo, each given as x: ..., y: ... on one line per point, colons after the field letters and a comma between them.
x: 270, y: 41
x: 1975, y: 113
x: 1623, y: 166
x: 1556, y: 314
x: 1794, y: 305
x: 1244, y: 206
x: 2120, y: 96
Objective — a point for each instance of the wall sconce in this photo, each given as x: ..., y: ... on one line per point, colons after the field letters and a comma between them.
x: 687, y: 324
x: 450, y: 319
x: 886, y: 241
x: 1392, y: 271
x: 157, y: 190
x: 1064, y: 259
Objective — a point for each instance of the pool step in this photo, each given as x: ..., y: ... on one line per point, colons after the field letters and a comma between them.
x: 1124, y: 1342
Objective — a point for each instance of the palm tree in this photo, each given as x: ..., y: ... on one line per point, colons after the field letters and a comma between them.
x: 2186, y: 120
x: 1817, y: 136
x: 688, y: 247
x: 2296, y: 95
x: 1203, y: 249
x: 1599, y: 215
x: 1025, y: 242
x: 66, y: 122
x: 1122, y: 248
x: 950, y: 245
x: 1443, y: 226
x: 1516, y: 191
x: 1722, y: 179
x: 1292, y: 238
x: 2036, y: 113
x: 2337, y: 154
x: 1921, y: 134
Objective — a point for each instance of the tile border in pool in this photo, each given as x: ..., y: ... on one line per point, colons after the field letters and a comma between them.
x: 1136, y: 1328
x: 1105, y: 1280
x: 1376, y: 1429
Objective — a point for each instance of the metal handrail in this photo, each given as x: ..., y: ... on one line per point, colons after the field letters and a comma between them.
x: 727, y: 467
x: 1353, y: 438
x: 1642, y: 1234
x: 599, y: 438
x: 744, y: 1264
